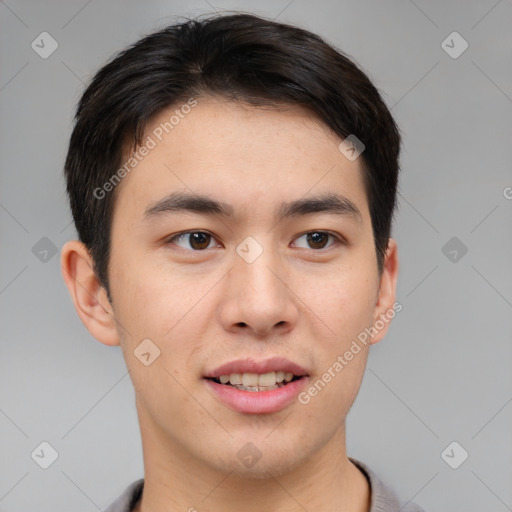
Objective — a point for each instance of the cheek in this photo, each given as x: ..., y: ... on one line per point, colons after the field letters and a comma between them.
x: 344, y: 300
x: 329, y: 396
x: 151, y: 308
x: 341, y: 355
x: 152, y: 305
x: 345, y: 304
x: 145, y: 299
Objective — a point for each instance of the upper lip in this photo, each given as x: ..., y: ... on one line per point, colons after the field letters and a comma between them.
x: 272, y: 364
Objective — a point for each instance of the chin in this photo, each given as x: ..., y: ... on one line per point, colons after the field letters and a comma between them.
x: 264, y: 468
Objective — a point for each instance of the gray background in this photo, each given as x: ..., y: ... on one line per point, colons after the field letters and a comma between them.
x: 442, y: 374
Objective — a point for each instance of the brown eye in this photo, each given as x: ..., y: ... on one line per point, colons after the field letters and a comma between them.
x: 197, y: 240
x: 317, y: 239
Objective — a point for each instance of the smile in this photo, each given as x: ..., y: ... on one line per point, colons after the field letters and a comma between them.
x: 257, y: 382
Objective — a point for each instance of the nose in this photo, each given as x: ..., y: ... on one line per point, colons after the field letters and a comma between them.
x: 259, y: 296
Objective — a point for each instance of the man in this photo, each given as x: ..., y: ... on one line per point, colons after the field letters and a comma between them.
x: 233, y: 183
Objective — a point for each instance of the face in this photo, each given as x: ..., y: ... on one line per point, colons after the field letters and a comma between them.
x: 243, y: 281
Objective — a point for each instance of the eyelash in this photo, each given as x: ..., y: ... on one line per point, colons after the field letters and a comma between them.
x: 337, y: 238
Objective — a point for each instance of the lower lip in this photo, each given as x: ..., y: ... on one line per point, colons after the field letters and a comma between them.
x: 257, y: 402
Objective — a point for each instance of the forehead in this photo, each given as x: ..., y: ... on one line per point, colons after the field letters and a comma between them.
x: 249, y: 157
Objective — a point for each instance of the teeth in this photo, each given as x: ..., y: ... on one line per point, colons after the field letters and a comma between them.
x: 235, y: 378
x: 267, y: 379
x: 258, y: 388
x: 249, y: 379
x: 254, y: 381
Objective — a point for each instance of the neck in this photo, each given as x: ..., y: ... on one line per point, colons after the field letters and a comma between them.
x: 176, y: 481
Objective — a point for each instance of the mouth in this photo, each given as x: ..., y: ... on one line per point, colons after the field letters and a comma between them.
x: 249, y: 386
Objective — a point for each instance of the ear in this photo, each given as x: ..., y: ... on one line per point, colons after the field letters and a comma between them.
x: 385, y: 307
x: 89, y: 297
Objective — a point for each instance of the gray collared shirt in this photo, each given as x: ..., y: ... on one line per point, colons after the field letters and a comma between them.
x: 383, y: 499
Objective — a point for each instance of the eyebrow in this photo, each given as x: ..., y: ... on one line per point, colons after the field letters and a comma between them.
x: 182, y: 201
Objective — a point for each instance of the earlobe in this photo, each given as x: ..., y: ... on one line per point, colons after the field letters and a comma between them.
x: 89, y: 297
x: 385, y: 307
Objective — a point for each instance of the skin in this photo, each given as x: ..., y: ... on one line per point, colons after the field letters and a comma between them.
x: 203, y: 308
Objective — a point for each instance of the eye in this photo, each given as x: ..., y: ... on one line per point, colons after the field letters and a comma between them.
x: 201, y: 240
x: 198, y: 240
x: 318, y: 239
